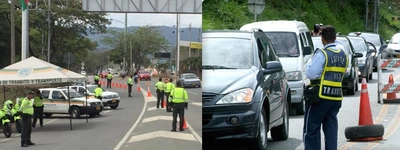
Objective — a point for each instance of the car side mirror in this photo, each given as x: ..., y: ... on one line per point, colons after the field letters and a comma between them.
x: 358, y: 55
x: 307, y: 50
x: 272, y: 67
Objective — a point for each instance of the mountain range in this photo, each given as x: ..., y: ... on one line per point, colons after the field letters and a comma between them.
x: 166, y: 31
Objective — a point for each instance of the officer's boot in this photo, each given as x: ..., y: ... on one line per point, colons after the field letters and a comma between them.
x: 24, y: 144
x: 30, y: 143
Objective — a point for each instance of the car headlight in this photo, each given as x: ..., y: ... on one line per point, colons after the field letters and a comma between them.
x: 239, y: 96
x: 294, y: 76
x: 361, y: 60
x: 373, y: 54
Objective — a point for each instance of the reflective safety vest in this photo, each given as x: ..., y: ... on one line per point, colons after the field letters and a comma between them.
x: 160, y: 85
x: 109, y: 76
x: 38, y: 101
x: 96, y: 77
x: 169, y: 87
x: 98, y: 91
x: 330, y: 83
x: 130, y: 81
x: 26, y: 106
x: 178, y: 95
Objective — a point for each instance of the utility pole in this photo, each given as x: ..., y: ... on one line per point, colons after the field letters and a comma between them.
x: 25, y: 31
x: 190, y: 40
x: 12, y: 31
x: 177, y: 46
x: 49, y: 31
x: 125, y: 40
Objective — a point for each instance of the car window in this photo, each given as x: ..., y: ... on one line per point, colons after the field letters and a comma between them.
x: 75, y: 88
x: 359, y: 45
x: 81, y: 90
x: 262, y: 49
x: 56, y: 95
x: 285, y: 43
x: 374, y: 39
x: 45, y: 93
x: 72, y: 93
x: 228, y: 52
x: 270, y: 52
x: 346, y: 45
x: 91, y: 88
x: 311, y: 43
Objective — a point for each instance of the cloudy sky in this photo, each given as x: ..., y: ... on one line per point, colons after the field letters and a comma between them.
x: 135, y: 19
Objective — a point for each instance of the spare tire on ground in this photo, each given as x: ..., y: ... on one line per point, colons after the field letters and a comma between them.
x: 364, y: 131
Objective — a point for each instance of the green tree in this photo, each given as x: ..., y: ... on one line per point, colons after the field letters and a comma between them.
x: 194, y: 63
x: 69, y: 27
x: 143, y: 42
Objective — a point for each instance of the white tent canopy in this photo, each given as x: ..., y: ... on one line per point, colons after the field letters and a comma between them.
x: 36, y: 71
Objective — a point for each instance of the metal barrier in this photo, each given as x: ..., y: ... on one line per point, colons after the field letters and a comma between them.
x: 388, y: 88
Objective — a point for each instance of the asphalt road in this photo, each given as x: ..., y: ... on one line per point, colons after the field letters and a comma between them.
x: 385, y: 114
x: 100, y: 133
x: 153, y: 130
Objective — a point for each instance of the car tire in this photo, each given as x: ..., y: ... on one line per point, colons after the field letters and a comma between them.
x: 281, y: 132
x: 48, y: 115
x: 352, y: 89
x: 92, y: 115
x: 356, y: 84
x: 114, y: 107
x: 75, y: 112
x: 370, y: 76
x: 366, y: 131
x: 260, y: 142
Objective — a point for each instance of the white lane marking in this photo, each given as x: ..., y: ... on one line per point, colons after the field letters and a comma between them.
x: 197, y: 104
x: 107, y: 111
x: 164, y: 134
x: 192, y: 92
x: 194, y: 133
x: 117, y: 147
x: 155, y: 118
x: 32, y: 129
x: 155, y: 108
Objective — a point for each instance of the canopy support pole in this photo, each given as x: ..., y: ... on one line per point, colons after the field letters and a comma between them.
x: 69, y: 106
x: 86, y: 95
x: 4, y: 92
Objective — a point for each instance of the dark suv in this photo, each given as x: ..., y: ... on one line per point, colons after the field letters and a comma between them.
x: 245, y: 90
x: 350, y: 79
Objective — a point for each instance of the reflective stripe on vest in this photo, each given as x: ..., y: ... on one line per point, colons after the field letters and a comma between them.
x: 331, y: 79
x: 176, y: 99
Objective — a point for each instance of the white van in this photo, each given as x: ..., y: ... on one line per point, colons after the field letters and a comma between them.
x: 294, y: 47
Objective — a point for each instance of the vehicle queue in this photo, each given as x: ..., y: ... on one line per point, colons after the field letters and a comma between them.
x: 263, y: 76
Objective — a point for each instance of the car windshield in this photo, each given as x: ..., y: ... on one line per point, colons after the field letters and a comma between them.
x: 318, y: 44
x: 285, y: 43
x: 227, y: 53
x: 374, y: 39
x: 189, y: 76
x: 92, y: 88
x: 359, y: 45
x: 72, y: 93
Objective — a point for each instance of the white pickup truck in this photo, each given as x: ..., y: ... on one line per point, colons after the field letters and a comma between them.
x: 56, y: 102
x: 110, y: 99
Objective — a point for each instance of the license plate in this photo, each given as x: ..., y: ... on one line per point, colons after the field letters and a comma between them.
x: 114, y: 101
x: 97, y: 107
x: 398, y: 56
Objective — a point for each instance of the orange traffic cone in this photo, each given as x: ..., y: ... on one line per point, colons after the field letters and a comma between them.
x: 164, y: 104
x: 365, y: 116
x: 184, y: 124
x: 391, y: 96
x: 125, y: 86
x: 148, y: 91
x: 357, y: 133
x: 112, y: 84
x: 138, y: 88
x: 120, y: 86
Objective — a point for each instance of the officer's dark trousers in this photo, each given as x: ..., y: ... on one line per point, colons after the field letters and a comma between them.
x: 129, y: 89
x: 38, y: 113
x: 316, y: 114
x: 26, y: 128
x: 96, y: 82
x: 109, y: 83
x: 168, y: 103
x: 160, y: 99
x: 178, y: 109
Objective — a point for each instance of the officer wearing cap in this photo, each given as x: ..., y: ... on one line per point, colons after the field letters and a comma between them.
x: 325, y: 71
x: 26, y: 111
x: 179, y: 100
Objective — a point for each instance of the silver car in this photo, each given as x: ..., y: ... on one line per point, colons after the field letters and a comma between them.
x: 190, y: 80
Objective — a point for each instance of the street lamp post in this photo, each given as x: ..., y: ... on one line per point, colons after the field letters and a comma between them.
x: 125, y: 39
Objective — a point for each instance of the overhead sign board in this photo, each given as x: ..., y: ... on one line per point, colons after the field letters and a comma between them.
x: 143, y: 6
x: 195, y: 45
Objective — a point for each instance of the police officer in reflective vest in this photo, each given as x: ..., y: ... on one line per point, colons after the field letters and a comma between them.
x: 160, y: 87
x: 96, y: 79
x: 130, y: 83
x: 325, y: 71
x: 98, y: 92
x: 169, y: 86
x: 38, y: 109
x: 109, y: 79
x: 26, y: 111
x: 179, y: 100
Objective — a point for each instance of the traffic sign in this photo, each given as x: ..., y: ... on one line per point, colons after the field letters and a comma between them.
x: 82, y: 68
x: 83, y: 64
x: 256, y: 6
